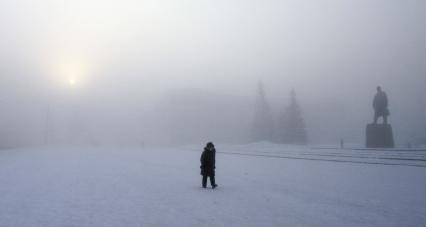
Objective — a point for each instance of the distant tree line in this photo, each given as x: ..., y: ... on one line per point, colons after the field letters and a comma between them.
x: 288, y: 128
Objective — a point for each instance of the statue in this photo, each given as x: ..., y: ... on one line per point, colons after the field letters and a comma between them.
x: 380, y: 105
x: 380, y: 135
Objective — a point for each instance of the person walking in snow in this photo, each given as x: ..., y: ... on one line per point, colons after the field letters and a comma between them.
x: 208, y: 165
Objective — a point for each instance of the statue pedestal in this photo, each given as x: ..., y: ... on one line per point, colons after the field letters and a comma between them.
x: 379, y: 136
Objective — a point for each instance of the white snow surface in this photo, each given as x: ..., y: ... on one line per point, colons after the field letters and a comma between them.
x: 259, y: 185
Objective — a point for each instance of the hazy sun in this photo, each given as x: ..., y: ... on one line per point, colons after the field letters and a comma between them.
x: 72, y: 82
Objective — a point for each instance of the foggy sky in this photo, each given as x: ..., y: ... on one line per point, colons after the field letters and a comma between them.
x: 186, y: 71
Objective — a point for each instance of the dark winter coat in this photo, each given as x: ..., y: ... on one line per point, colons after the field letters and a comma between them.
x: 380, y: 104
x: 208, y: 162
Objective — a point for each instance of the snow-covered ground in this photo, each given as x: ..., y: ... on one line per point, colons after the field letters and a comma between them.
x: 259, y: 185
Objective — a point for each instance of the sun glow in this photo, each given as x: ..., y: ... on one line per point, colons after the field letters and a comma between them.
x: 72, y: 82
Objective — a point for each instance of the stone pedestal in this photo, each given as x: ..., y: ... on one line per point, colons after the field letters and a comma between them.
x: 379, y: 136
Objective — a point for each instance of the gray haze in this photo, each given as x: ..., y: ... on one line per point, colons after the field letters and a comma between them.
x: 178, y: 72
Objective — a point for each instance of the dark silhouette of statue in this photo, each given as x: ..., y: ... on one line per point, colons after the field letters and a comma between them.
x: 380, y: 135
x: 380, y: 105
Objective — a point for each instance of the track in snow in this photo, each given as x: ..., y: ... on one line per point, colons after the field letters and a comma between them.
x: 398, y: 157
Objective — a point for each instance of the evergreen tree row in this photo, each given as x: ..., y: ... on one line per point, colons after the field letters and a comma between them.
x: 289, y: 128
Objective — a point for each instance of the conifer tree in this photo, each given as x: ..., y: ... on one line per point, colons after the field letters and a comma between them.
x: 262, y: 123
x: 291, y: 127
